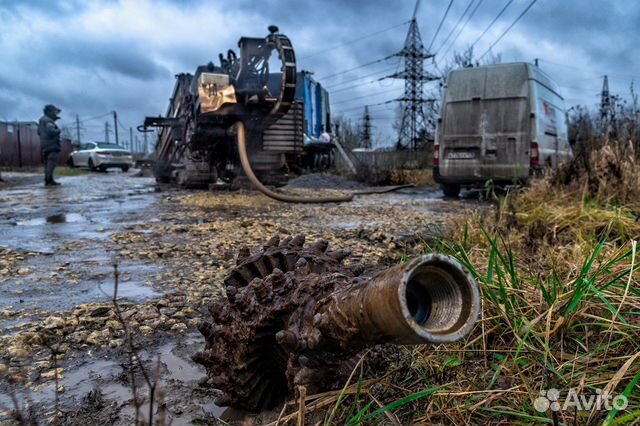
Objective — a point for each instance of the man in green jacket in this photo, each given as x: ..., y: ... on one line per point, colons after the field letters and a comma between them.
x: 49, y: 134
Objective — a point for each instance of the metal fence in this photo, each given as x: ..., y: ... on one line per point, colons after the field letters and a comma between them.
x: 387, y: 161
x: 20, y: 145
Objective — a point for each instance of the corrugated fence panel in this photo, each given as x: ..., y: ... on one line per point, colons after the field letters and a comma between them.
x: 20, y: 146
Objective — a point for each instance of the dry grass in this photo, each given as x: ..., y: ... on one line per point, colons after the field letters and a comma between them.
x: 608, y: 173
x: 418, y: 177
x: 558, y: 270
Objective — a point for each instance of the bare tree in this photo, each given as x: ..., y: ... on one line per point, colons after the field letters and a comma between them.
x: 347, y: 132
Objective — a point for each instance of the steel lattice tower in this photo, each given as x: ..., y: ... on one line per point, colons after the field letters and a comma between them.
x: 606, y: 113
x: 365, y: 135
x: 413, y: 117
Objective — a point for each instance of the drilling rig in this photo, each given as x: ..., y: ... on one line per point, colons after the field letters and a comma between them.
x: 196, y: 143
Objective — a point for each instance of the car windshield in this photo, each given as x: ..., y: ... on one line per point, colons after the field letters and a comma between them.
x: 104, y: 145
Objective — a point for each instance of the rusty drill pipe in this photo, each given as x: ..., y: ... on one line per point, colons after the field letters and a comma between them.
x: 432, y: 299
x: 296, y: 315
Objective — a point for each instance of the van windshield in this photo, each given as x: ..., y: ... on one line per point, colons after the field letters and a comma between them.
x: 507, y: 115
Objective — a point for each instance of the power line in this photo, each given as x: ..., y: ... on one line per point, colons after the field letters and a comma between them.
x: 355, y: 68
x: 361, y: 77
x: 360, y: 106
x: 457, y: 23
x: 600, y: 73
x: 90, y: 118
x: 354, y: 40
x: 473, y: 12
x: 377, y: 110
x: 355, y: 86
x: 121, y: 125
x: 365, y: 96
x: 524, y: 12
x: 446, y: 12
x: 379, y: 107
x: 492, y: 22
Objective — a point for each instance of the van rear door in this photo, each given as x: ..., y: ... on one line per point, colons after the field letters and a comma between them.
x: 486, y: 139
x: 485, y: 131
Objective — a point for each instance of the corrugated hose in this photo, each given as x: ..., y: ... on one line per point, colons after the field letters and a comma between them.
x: 246, y: 166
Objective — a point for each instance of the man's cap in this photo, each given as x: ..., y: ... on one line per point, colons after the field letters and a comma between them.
x: 50, y: 107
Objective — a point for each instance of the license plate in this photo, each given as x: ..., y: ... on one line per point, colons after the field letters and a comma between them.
x: 461, y: 155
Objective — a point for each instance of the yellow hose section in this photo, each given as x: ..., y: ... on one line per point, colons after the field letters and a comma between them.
x: 246, y: 166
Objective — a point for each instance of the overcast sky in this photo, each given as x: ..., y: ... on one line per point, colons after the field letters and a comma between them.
x: 92, y: 57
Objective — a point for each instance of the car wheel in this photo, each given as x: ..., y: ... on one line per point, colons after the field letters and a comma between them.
x: 451, y: 191
x: 91, y: 165
x: 70, y: 163
x: 125, y: 168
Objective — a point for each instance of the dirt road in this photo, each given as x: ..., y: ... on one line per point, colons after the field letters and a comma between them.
x: 57, y: 251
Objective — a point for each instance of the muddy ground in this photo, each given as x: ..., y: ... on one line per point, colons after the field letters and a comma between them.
x: 58, y: 248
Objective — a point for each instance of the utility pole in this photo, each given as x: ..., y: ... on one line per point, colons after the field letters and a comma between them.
x: 115, y: 125
x: 130, y: 136
x: 605, y: 107
x: 106, y: 131
x: 413, y: 119
x: 78, y: 128
x: 365, y: 135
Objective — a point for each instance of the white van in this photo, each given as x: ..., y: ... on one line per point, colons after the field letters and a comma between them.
x: 499, y: 123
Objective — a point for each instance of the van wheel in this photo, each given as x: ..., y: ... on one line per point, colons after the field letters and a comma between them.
x: 451, y: 191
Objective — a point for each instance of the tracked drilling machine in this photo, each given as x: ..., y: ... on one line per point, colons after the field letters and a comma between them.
x: 196, y: 143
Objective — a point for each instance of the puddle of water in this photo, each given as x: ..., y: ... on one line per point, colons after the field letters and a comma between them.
x: 116, y: 392
x: 57, y: 218
x: 76, y: 383
x: 132, y: 290
x: 187, y: 371
x: 54, y: 219
x: 40, y: 290
x: 180, y: 368
x: 352, y: 224
x: 12, y: 326
x: 178, y: 380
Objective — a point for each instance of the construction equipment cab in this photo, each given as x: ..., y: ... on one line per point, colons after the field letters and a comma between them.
x: 498, y: 123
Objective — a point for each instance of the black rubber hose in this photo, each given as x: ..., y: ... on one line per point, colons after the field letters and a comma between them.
x: 246, y: 166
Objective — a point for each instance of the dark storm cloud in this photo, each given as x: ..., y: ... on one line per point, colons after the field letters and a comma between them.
x: 120, y: 56
x: 96, y: 55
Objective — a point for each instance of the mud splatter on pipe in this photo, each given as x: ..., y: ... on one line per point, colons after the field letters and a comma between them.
x: 296, y: 315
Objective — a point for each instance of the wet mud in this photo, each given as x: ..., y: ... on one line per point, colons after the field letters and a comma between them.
x: 173, y: 249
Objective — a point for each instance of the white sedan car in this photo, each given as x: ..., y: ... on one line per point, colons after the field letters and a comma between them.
x: 101, y: 156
